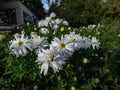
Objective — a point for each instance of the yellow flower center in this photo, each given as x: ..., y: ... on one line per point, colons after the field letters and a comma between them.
x: 39, y: 44
x: 84, y: 41
x: 50, y: 57
x: 20, y: 43
x: 62, y: 45
x: 73, y: 40
x: 35, y: 34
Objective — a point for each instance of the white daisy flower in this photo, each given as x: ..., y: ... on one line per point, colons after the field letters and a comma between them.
x: 20, y: 44
x: 65, y: 23
x: 53, y: 21
x: 33, y: 34
x: 95, y: 43
x: 48, y: 19
x: 75, y: 39
x: 44, y: 23
x: 52, y: 15
x: 85, y: 42
x: 44, y: 30
x: 91, y: 26
x: 40, y: 23
x: 46, y: 59
x: 55, y: 26
x: 62, y: 46
x: 58, y: 21
x: 39, y: 43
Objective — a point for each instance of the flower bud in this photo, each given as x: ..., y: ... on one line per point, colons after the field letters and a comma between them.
x: 96, y: 55
x: 97, y: 80
x: 58, y: 77
x: 118, y: 35
x: 28, y: 24
x: 68, y: 65
x: 23, y: 32
x: 72, y: 88
x: 46, y: 37
x: 35, y: 28
x: 85, y: 60
x: 35, y: 87
x: 98, y: 33
x: 62, y: 29
x: 75, y: 78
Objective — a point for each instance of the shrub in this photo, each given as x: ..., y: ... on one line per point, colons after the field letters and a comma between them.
x: 85, y: 58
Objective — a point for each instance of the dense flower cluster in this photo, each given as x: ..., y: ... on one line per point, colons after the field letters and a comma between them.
x: 57, y: 51
x: 51, y: 22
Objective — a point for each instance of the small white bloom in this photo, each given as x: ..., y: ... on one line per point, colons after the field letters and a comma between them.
x: 33, y: 34
x: 55, y: 26
x: 52, y: 23
x: 85, y: 42
x: 62, y: 46
x: 65, y: 23
x: 95, y: 43
x: 91, y: 26
x: 39, y: 43
x: 58, y: 21
x: 47, y: 59
x: 40, y: 23
x: 75, y: 39
x: 48, y: 19
x: 44, y: 30
x: 52, y: 15
x: 44, y: 23
x: 20, y: 44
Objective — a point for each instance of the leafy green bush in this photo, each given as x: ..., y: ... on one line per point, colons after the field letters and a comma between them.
x: 85, y: 69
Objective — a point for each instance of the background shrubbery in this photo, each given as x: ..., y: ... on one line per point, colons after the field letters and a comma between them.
x: 82, y: 13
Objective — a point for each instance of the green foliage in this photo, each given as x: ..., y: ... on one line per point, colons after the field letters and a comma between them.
x: 78, y: 12
x: 85, y: 12
x: 110, y: 9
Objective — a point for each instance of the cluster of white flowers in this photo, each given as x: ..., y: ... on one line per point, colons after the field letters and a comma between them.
x: 92, y: 26
x: 63, y: 48
x: 21, y: 44
x: 51, y: 22
x: 55, y: 53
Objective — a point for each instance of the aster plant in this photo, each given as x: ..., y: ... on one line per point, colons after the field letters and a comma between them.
x: 55, y: 56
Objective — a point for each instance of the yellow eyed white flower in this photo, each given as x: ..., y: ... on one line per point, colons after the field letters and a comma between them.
x: 62, y: 46
x: 20, y: 45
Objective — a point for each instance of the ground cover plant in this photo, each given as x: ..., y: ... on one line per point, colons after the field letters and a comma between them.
x: 55, y: 56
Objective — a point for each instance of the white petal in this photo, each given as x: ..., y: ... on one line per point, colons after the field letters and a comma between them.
x: 44, y: 68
